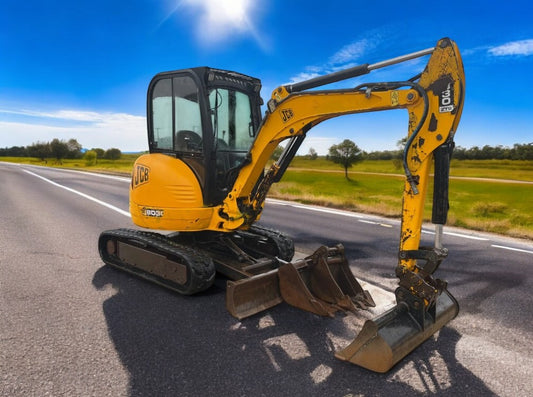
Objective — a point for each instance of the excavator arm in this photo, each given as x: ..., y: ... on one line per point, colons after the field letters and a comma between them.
x: 434, y: 102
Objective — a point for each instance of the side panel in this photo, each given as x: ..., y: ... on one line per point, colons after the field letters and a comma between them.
x: 165, y: 194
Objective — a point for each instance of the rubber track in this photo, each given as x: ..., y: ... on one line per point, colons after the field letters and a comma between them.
x: 201, y: 269
x: 284, y: 244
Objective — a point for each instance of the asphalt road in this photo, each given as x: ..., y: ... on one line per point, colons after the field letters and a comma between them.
x: 71, y: 326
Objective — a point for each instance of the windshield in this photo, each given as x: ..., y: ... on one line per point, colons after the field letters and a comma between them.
x: 231, y: 116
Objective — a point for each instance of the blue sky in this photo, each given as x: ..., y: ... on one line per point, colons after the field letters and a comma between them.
x: 80, y: 69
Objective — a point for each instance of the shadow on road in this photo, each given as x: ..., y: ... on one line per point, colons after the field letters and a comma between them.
x: 190, y: 346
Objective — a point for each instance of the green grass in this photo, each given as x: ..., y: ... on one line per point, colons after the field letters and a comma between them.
x: 505, y: 208
x: 363, y: 192
x: 521, y: 170
x: 493, y: 206
x: 499, y: 169
x: 123, y: 165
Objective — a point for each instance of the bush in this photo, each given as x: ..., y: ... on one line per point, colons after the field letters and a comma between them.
x: 90, y: 158
x: 488, y: 209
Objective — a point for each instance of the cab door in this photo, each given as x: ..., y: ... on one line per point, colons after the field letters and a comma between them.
x: 176, y: 125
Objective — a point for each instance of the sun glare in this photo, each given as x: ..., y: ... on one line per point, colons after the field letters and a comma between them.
x: 233, y: 11
x: 220, y: 19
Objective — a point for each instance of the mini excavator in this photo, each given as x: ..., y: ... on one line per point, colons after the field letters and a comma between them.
x: 205, y: 181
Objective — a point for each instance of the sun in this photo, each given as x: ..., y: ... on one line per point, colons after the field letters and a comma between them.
x: 232, y: 11
x: 217, y: 21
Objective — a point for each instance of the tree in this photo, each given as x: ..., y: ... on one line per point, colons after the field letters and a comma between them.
x: 345, y: 153
x: 277, y: 153
x: 113, y: 154
x: 401, y: 143
x: 74, y: 149
x: 59, y: 149
x: 312, y: 154
x: 40, y: 150
x: 100, y: 153
x: 14, y: 151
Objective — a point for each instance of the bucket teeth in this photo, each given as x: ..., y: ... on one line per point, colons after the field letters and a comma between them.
x: 323, y: 283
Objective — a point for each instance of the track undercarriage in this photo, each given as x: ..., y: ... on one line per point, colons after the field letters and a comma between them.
x: 257, y: 263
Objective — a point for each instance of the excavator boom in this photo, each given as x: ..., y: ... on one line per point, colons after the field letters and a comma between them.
x: 205, y: 180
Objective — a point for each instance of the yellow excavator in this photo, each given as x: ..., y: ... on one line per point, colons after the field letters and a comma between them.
x: 206, y: 179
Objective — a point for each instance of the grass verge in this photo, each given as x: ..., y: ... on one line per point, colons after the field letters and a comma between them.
x: 124, y: 165
x: 491, y: 206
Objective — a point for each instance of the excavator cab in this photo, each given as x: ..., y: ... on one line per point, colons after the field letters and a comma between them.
x: 207, y: 118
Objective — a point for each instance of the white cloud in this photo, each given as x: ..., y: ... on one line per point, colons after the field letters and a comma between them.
x: 346, y: 57
x: 91, y: 129
x: 351, y: 52
x: 520, y: 47
x: 303, y: 76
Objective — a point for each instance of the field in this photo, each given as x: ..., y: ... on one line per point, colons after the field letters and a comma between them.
x: 123, y: 165
x: 485, y: 195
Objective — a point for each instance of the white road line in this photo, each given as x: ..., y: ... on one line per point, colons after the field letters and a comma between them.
x: 327, y: 211
x: 103, y: 203
x: 511, y: 248
x: 114, y: 177
x: 466, y: 236
x: 316, y: 209
x: 369, y: 222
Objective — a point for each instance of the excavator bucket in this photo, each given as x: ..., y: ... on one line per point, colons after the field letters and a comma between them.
x: 391, y: 336
x: 321, y: 283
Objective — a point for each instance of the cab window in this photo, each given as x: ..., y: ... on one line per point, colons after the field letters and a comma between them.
x: 176, y: 116
x: 231, y: 116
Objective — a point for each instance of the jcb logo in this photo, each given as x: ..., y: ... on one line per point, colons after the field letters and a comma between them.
x: 286, y: 114
x: 141, y: 175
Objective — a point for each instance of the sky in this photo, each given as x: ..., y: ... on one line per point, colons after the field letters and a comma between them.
x: 80, y: 69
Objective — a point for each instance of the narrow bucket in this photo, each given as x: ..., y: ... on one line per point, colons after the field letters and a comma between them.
x: 322, y: 283
x: 394, y: 334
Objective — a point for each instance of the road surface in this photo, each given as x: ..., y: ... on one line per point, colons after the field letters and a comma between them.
x: 72, y: 326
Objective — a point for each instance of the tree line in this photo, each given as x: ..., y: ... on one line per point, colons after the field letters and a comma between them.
x: 347, y: 153
x: 487, y: 152
x: 59, y: 150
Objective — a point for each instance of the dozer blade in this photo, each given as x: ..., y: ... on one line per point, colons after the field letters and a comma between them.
x: 322, y: 283
x: 394, y: 334
x: 252, y: 295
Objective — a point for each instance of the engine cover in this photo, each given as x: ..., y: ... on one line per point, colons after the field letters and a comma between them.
x: 165, y: 194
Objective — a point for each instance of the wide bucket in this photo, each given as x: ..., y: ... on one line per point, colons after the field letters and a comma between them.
x: 394, y: 334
